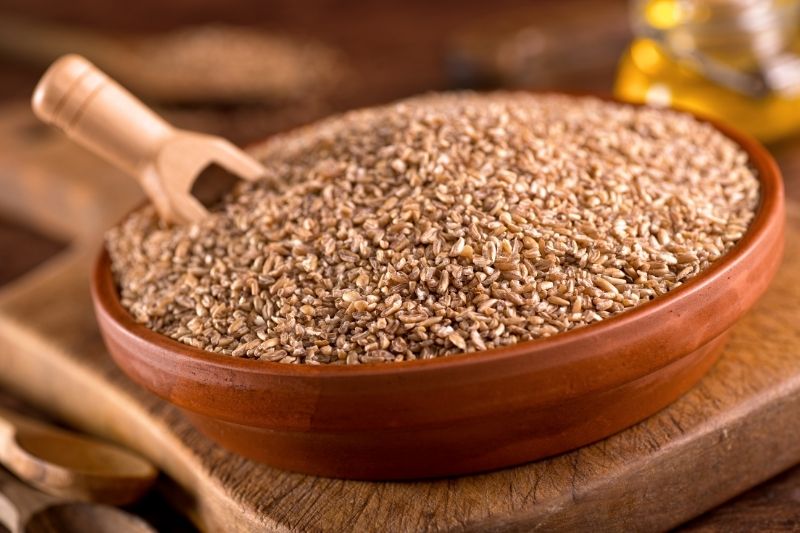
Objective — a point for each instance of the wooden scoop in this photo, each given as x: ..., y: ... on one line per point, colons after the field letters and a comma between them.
x: 70, y: 465
x: 23, y: 509
x: 99, y: 114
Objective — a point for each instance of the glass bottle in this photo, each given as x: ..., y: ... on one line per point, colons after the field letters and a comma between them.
x: 737, y: 60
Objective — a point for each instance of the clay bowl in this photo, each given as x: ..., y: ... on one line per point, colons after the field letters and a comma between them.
x: 466, y: 413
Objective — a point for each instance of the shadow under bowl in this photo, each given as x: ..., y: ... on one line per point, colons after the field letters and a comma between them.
x: 465, y: 413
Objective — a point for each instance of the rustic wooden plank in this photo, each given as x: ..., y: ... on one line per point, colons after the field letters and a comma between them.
x: 773, y: 506
x: 735, y: 429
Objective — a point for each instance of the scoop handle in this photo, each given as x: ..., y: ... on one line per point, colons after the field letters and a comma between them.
x: 98, y: 113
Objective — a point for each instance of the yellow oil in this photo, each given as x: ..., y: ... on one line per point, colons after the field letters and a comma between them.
x: 649, y: 73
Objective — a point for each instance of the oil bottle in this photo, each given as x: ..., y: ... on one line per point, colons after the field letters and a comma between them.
x: 736, y: 60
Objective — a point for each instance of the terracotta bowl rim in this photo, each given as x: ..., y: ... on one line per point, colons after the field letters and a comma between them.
x: 106, y: 296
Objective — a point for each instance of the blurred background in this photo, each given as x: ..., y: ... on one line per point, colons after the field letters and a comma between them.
x: 247, y: 69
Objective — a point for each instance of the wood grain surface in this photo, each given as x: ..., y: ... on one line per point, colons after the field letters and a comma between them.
x: 736, y: 428
x: 774, y: 506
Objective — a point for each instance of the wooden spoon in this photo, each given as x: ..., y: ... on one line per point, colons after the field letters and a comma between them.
x: 99, y: 114
x: 23, y: 509
x: 70, y: 465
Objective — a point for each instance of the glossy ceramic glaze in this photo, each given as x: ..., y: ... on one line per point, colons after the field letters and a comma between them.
x: 464, y: 413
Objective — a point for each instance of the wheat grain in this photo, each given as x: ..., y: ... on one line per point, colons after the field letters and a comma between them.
x: 439, y: 225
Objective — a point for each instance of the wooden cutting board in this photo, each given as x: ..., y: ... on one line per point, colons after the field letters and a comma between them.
x: 738, y: 427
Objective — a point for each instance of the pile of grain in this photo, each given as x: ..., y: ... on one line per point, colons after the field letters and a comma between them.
x: 442, y: 224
